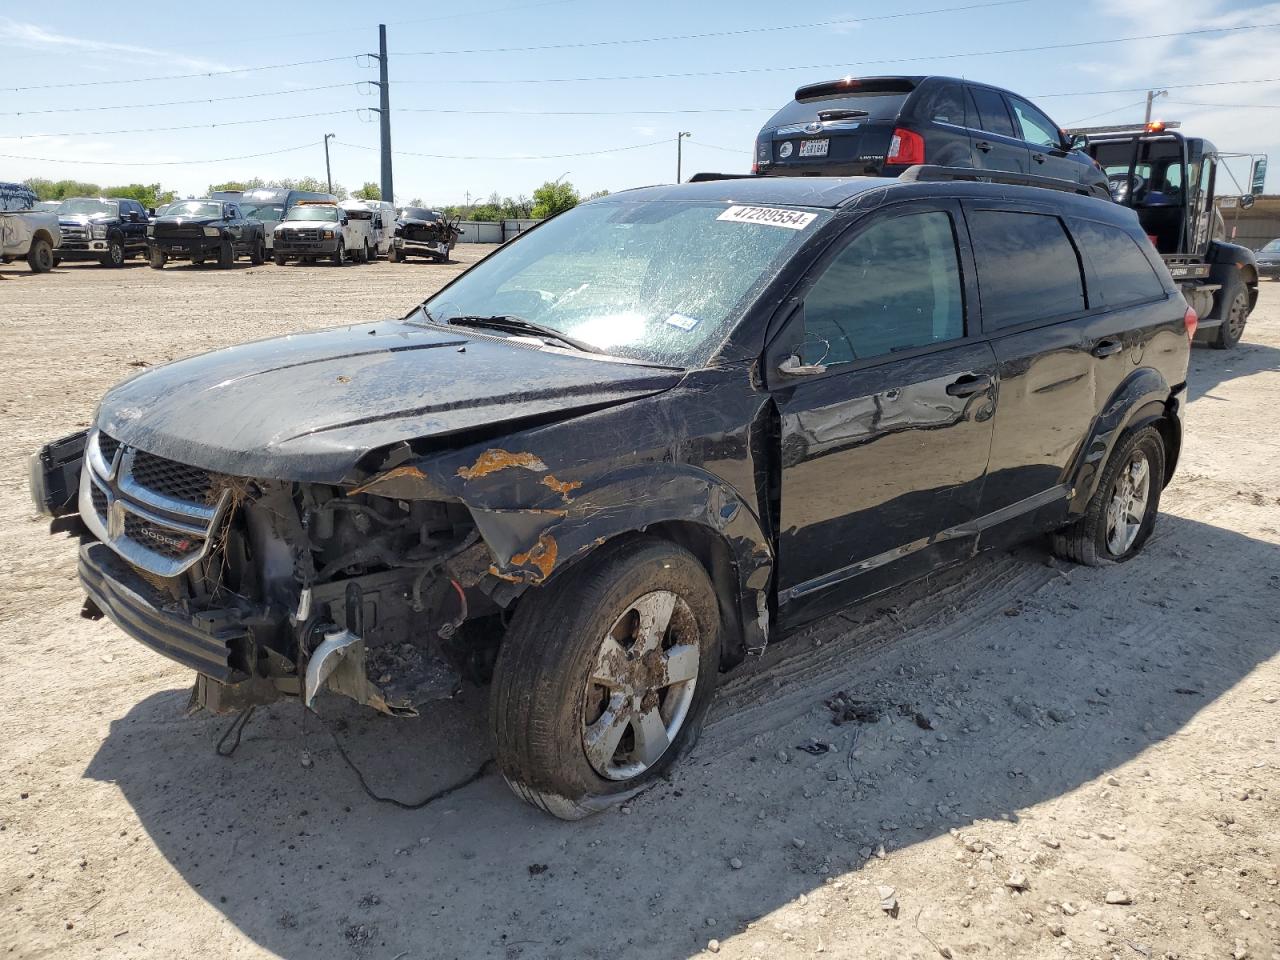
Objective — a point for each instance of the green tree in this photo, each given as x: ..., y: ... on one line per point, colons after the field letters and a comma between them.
x: 416, y: 202
x: 251, y: 184
x: 552, y: 198
x: 370, y: 191
x: 61, y: 189
x: 147, y: 194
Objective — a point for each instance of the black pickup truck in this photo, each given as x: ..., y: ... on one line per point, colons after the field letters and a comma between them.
x: 199, y: 230
x: 110, y: 230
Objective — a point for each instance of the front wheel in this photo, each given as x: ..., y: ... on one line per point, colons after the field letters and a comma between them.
x: 114, y: 257
x: 1122, y: 512
x: 395, y: 255
x: 156, y: 258
x: 1235, y: 300
x: 40, y: 256
x: 604, y: 677
x: 281, y: 260
x: 338, y: 255
x: 259, y: 255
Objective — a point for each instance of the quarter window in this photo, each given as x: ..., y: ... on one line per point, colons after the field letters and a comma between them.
x: 1028, y: 268
x: 945, y: 103
x: 993, y: 116
x: 895, y: 287
x: 1036, y: 127
x: 1124, y: 273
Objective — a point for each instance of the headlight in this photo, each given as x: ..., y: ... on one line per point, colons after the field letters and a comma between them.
x: 99, y: 231
x: 151, y: 230
x: 328, y: 234
x: 212, y: 232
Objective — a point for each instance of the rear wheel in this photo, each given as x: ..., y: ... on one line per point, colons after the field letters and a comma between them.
x: 604, y: 677
x: 40, y: 256
x: 259, y: 255
x: 157, y: 258
x: 1235, y: 313
x: 366, y: 257
x: 1122, y: 512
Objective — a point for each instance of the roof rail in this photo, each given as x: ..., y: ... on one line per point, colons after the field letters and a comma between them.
x: 709, y: 177
x: 928, y: 173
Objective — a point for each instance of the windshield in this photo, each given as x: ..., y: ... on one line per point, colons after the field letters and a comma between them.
x: 417, y: 213
x: 1157, y: 174
x: 656, y: 281
x: 193, y: 208
x: 1272, y: 247
x: 312, y: 213
x: 81, y: 207
x: 262, y: 211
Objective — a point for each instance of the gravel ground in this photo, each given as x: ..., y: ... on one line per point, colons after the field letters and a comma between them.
x: 1068, y: 763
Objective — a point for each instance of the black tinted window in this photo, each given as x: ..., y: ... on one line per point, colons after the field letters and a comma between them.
x: 1124, y: 273
x: 992, y: 114
x: 1027, y: 267
x: 894, y: 287
x: 944, y: 103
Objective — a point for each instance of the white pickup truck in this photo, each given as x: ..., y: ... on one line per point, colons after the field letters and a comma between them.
x: 26, y: 233
x: 314, y: 230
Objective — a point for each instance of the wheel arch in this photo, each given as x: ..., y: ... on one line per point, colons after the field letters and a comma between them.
x: 42, y: 233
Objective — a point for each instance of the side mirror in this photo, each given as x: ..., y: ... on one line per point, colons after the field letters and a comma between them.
x: 1247, y: 201
x: 1076, y: 141
x: 344, y: 221
x: 793, y: 366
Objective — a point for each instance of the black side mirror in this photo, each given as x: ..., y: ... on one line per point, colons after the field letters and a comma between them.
x: 1075, y: 141
x: 344, y: 221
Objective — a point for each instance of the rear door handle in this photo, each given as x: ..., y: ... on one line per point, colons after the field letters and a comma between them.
x: 968, y: 385
x: 984, y: 146
x: 1105, y: 348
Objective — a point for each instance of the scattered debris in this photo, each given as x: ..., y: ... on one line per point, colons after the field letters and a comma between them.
x: 1017, y: 881
x: 536, y: 869
x: 735, y: 863
x: 816, y: 747
x: 845, y: 709
x: 1118, y: 898
x: 713, y: 946
x: 888, y: 901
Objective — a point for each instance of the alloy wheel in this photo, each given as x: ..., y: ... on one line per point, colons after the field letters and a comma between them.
x: 1127, y: 508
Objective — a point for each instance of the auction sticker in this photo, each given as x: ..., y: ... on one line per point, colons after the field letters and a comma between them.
x: 769, y: 216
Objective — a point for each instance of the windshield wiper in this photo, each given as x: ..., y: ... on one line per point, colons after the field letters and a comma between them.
x: 514, y: 324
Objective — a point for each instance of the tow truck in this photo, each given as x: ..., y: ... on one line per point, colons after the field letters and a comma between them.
x: 1169, y: 180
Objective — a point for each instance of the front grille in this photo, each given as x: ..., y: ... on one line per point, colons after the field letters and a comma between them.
x: 73, y: 232
x: 172, y: 479
x: 178, y: 230
x: 301, y: 236
x: 160, y: 539
x: 107, y: 446
x: 99, y: 501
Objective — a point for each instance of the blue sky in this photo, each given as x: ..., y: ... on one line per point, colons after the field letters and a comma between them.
x: 746, y: 76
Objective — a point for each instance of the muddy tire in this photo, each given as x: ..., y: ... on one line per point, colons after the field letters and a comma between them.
x: 114, y: 257
x: 259, y: 255
x: 1122, y: 512
x: 1235, y: 313
x: 156, y: 258
x: 605, y: 676
x: 40, y: 256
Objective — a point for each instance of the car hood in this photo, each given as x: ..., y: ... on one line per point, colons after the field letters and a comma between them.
x: 80, y: 219
x: 198, y: 221
x: 308, y: 407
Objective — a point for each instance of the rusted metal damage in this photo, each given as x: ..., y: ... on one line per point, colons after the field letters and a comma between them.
x: 493, y: 460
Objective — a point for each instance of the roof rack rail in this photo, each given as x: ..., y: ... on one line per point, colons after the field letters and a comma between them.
x: 928, y: 172
x: 709, y: 177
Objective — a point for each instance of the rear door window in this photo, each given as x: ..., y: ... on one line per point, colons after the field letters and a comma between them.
x: 1028, y: 268
x: 944, y: 104
x: 992, y: 114
x: 1124, y: 273
x: 894, y: 287
x: 1036, y: 127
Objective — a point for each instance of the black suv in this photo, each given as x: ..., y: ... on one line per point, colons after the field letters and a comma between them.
x: 629, y: 448
x: 110, y: 230
x: 201, y: 230
x: 880, y: 126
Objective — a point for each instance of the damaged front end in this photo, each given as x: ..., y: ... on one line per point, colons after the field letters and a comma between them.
x: 272, y: 589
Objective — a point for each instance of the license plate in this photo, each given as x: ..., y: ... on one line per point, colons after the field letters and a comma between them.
x: 814, y: 148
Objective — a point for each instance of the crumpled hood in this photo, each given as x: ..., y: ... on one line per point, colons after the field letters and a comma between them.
x: 307, y: 407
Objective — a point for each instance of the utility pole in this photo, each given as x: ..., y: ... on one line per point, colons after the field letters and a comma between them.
x: 679, y: 143
x: 384, y: 113
x: 1151, y: 96
x: 328, y: 176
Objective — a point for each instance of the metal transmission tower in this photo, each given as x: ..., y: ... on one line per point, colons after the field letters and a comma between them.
x: 384, y: 113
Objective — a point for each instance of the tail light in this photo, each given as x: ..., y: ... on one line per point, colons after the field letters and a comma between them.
x: 906, y: 148
x: 1152, y: 238
x: 755, y: 167
x: 1190, y: 321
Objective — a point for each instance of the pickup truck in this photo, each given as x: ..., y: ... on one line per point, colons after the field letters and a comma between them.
x: 311, y: 230
x: 202, y: 229
x: 109, y: 230
x: 423, y: 233
x: 26, y: 233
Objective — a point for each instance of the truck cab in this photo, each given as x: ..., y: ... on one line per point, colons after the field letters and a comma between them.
x: 1170, y: 181
x: 312, y: 229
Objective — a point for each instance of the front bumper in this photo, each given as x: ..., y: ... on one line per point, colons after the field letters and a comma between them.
x: 82, y: 249
x: 179, y: 247
x: 428, y: 247
x: 304, y: 248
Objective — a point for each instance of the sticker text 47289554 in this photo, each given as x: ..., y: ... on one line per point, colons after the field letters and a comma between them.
x: 769, y: 216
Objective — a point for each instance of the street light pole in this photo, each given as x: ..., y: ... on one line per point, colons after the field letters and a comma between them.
x: 679, y: 143
x: 327, y: 175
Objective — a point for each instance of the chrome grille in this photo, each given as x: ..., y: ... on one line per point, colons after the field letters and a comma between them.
x: 172, y: 479
x: 73, y: 231
x: 159, y: 515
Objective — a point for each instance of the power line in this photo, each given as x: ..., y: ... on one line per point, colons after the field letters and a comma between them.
x: 189, y: 126
x: 843, y: 65
x: 547, y: 156
x: 1228, y: 106
x: 582, y: 113
x: 1106, y: 113
x: 181, y: 103
x: 158, y: 163
x: 184, y: 76
x: 712, y: 34
x: 1169, y: 86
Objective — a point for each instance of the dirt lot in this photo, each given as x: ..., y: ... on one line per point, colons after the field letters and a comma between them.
x: 1097, y: 735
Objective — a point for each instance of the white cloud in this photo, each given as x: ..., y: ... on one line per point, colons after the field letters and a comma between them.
x: 30, y: 36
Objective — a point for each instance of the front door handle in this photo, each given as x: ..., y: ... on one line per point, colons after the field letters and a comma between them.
x: 1105, y: 348
x: 1038, y: 157
x: 984, y: 146
x: 968, y: 385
